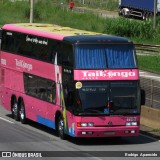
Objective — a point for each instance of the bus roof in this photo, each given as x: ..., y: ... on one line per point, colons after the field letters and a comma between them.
x: 62, y: 33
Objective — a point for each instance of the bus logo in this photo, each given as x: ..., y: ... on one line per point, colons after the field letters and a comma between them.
x: 110, y: 123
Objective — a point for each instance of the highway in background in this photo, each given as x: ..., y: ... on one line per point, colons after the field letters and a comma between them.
x: 34, y: 137
x: 149, y: 75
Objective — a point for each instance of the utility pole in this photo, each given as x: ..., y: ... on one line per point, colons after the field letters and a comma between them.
x: 31, y: 11
x: 155, y: 11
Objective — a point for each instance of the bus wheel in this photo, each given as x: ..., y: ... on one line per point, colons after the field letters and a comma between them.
x: 61, y: 128
x: 22, y: 113
x: 15, y: 110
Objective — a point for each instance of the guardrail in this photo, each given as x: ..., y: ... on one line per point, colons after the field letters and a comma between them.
x: 150, y: 85
x: 152, y: 91
x: 146, y: 49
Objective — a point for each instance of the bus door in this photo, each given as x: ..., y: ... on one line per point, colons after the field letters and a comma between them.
x: 68, y: 89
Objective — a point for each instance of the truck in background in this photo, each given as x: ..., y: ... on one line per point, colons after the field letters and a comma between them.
x: 138, y: 8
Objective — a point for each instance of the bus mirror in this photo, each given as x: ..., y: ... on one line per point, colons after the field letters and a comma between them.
x: 0, y: 33
x: 143, y: 97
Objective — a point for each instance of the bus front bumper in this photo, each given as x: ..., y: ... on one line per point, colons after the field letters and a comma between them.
x: 123, y: 131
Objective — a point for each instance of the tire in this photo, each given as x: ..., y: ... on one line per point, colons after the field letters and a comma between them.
x: 22, y: 113
x: 15, y: 110
x: 61, y: 128
x: 144, y: 17
x: 150, y: 16
x: 120, y: 12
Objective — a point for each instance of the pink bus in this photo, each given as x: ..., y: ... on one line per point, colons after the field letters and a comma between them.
x: 80, y: 83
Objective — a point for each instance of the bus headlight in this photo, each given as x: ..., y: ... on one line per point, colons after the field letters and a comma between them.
x: 90, y: 124
x: 84, y: 124
x: 134, y: 123
x: 128, y: 123
x: 131, y: 123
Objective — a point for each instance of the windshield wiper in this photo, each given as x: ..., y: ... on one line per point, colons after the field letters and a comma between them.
x: 92, y: 110
x: 96, y: 109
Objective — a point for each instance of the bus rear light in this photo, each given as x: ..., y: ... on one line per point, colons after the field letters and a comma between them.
x: 83, y: 124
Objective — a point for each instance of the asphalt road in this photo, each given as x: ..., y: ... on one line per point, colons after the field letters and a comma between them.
x: 99, y: 12
x: 34, y: 137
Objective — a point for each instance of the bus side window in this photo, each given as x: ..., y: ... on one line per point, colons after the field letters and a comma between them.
x: 40, y: 88
x: 67, y: 59
x: 0, y: 38
x: 0, y: 33
x: 51, y: 92
x: 53, y: 50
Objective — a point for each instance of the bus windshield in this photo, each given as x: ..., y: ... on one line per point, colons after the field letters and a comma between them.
x: 98, y: 56
x: 105, y: 98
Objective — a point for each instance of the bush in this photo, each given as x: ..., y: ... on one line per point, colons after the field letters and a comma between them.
x: 130, y: 28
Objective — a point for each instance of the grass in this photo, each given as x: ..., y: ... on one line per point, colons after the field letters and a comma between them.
x: 156, y: 130
x: 149, y: 63
x: 49, y: 12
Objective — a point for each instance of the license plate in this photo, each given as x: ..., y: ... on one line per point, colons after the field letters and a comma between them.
x: 109, y: 133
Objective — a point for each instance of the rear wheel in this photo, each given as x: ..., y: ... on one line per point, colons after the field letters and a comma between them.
x: 15, y: 110
x: 22, y: 113
x: 61, y: 128
x: 120, y: 12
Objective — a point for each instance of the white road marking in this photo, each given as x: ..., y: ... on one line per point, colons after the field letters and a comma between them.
x: 6, y: 120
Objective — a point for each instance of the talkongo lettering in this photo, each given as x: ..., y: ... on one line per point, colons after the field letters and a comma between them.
x: 108, y: 74
x: 23, y: 64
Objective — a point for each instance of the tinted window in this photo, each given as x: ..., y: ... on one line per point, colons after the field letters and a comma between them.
x: 40, y: 88
x: 0, y: 33
x: 40, y: 48
x: 67, y: 55
x: 8, y: 41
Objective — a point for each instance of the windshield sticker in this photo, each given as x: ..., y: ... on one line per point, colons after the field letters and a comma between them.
x: 106, y: 110
x: 78, y: 85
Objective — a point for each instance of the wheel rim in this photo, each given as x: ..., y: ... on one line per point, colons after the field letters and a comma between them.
x: 15, y: 109
x: 22, y: 113
x: 60, y: 127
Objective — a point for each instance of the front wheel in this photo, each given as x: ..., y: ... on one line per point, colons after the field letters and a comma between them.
x: 61, y: 128
x: 22, y: 113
